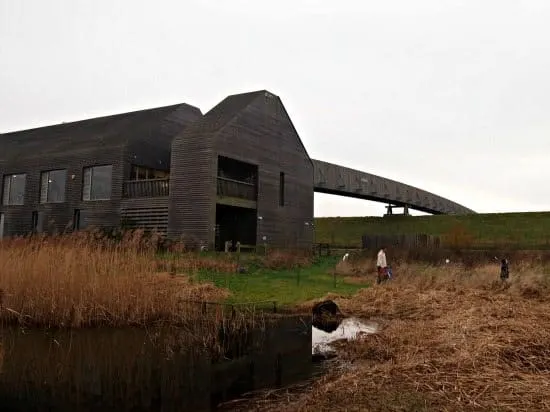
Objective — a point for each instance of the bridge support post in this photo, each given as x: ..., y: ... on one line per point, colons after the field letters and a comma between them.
x: 390, y: 208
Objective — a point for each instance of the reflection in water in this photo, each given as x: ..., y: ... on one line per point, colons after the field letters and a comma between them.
x: 349, y: 328
x: 145, y: 370
x: 327, y: 325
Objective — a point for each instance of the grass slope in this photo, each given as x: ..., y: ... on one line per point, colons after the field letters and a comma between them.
x: 287, y: 287
x: 524, y: 230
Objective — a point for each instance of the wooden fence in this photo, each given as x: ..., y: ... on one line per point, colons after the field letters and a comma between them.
x: 418, y: 240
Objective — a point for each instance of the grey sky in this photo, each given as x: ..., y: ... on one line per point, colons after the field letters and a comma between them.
x: 449, y: 96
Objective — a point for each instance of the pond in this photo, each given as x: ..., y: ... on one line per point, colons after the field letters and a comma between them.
x: 156, y: 369
x: 161, y: 368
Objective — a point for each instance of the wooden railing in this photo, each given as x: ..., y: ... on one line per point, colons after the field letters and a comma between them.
x: 235, y: 188
x: 160, y: 187
x: 146, y: 188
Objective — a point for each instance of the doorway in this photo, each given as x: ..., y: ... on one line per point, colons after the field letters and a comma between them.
x: 235, y: 224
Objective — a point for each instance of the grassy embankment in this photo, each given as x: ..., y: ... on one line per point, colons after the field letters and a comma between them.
x: 284, y: 279
x: 493, y: 230
x: 79, y: 280
x: 451, y: 339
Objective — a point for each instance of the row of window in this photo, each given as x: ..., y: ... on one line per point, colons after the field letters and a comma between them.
x: 96, y: 185
x: 38, y: 222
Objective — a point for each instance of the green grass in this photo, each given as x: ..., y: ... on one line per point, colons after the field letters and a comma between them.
x: 521, y: 230
x: 286, y: 287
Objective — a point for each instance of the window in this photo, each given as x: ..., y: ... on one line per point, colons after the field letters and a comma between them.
x: 52, y: 186
x: 281, y: 189
x: 14, y: 189
x: 144, y: 173
x: 97, y: 183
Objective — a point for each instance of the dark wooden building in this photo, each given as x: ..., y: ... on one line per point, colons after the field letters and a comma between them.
x: 238, y: 173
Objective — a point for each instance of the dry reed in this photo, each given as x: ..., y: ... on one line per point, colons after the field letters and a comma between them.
x: 84, y: 279
x: 452, y: 339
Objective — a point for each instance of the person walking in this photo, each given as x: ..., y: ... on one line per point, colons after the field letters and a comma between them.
x: 381, y: 265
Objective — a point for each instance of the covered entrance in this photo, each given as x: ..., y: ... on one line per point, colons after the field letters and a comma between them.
x: 235, y: 224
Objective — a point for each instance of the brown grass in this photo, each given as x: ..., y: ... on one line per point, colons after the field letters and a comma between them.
x: 286, y: 259
x: 82, y: 280
x: 452, y: 339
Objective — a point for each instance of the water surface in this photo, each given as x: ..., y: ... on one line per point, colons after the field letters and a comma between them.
x: 157, y: 369
x: 349, y: 328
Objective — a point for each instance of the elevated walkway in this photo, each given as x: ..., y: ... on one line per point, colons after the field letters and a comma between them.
x: 343, y: 181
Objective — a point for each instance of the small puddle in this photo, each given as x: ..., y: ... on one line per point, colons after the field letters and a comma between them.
x: 348, y: 329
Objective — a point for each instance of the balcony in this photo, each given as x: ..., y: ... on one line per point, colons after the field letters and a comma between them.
x: 236, y: 193
x: 146, y: 188
x: 226, y: 189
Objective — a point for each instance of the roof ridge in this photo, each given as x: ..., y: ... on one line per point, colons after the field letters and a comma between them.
x: 115, y: 115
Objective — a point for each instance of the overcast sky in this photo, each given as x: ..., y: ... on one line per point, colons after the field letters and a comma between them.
x: 449, y: 96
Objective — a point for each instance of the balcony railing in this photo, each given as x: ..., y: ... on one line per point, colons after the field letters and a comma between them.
x: 235, y: 188
x: 160, y: 187
x: 146, y: 188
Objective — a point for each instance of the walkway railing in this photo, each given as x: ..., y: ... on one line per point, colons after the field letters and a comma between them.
x: 146, y: 188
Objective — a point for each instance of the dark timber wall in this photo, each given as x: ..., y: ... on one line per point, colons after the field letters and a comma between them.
x: 253, y: 128
x: 58, y: 216
x: 141, y: 138
x: 192, y: 187
x: 263, y: 134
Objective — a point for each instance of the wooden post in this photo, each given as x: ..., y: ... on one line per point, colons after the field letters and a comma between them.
x: 238, y: 256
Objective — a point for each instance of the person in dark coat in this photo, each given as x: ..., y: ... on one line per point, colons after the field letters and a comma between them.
x: 504, y: 269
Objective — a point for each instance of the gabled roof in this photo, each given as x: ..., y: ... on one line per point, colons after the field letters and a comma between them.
x: 223, y: 113
x: 228, y: 110
x: 113, y: 130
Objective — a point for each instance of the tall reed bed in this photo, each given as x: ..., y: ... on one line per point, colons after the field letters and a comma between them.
x: 85, y: 279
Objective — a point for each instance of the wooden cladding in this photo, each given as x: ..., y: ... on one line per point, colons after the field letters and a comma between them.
x: 146, y: 188
x: 152, y: 218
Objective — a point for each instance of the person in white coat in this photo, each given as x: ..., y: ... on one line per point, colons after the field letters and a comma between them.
x: 381, y: 265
